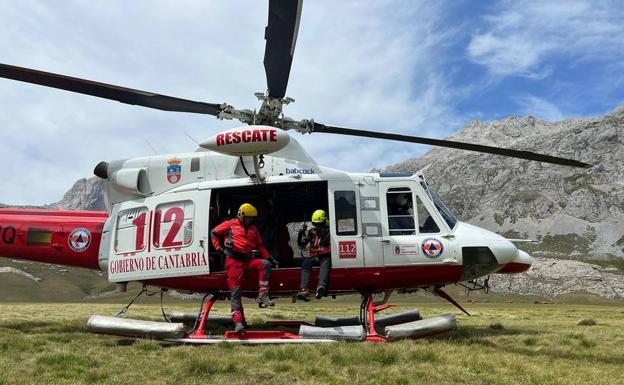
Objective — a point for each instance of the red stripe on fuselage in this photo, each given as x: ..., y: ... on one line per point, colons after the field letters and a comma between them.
x: 513, y: 268
x: 286, y: 282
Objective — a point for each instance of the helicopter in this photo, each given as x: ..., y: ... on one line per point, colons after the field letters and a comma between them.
x: 161, y: 208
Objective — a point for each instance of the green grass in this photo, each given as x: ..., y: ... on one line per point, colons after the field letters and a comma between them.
x: 502, y: 343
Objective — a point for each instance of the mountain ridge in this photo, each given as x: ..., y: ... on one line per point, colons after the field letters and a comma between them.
x: 571, y: 212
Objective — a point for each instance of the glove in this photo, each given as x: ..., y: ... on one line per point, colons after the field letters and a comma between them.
x: 273, y: 262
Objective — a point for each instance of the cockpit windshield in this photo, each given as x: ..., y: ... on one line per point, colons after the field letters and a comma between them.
x: 448, y: 216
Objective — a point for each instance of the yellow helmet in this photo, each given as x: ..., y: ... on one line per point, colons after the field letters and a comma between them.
x: 319, y: 216
x: 247, y: 210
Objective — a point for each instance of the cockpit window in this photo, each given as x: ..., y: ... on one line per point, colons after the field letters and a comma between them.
x: 426, y: 223
x: 448, y: 216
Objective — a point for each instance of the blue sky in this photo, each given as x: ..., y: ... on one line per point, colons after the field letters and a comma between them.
x: 415, y: 67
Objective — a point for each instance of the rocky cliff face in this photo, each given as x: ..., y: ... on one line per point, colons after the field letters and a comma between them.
x: 551, y: 278
x: 85, y: 194
x: 571, y: 212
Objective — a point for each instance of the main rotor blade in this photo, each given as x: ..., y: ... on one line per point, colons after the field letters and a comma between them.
x: 107, y: 91
x: 451, y: 144
x: 281, y: 37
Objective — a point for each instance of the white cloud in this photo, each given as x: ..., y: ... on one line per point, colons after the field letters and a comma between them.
x: 521, y: 35
x: 539, y: 108
x: 366, y: 65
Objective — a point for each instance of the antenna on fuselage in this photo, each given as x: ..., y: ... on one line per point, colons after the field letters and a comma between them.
x: 191, y: 138
x: 150, y: 146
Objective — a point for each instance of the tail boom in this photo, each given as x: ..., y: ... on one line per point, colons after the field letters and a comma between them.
x: 70, y: 238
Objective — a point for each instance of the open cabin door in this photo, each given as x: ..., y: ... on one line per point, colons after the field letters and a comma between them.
x: 160, y: 237
x: 372, y: 236
x: 345, y: 224
x: 412, y: 230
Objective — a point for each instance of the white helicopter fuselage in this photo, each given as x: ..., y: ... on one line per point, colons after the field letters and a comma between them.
x: 163, y: 207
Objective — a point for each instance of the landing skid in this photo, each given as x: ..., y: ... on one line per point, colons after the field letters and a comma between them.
x: 325, y: 330
x: 253, y: 338
x: 368, y: 309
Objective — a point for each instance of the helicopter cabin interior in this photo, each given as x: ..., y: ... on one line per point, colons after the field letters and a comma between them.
x: 282, y: 210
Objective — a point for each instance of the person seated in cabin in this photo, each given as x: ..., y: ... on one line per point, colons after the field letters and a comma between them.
x: 318, y: 238
x: 239, y: 240
x: 400, y: 214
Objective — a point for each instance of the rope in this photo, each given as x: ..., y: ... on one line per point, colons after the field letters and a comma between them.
x: 125, y: 308
x: 149, y: 294
x: 162, y: 309
x: 201, y: 308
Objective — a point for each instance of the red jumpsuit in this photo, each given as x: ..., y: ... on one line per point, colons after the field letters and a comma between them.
x: 237, y: 242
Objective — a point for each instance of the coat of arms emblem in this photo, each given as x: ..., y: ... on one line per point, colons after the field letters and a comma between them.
x: 174, y: 170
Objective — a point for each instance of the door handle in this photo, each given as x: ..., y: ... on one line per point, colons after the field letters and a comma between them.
x: 385, y: 241
x: 203, y: 243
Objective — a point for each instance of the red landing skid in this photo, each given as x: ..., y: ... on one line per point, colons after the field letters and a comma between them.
x: 251, y: 337
x: 254, y: 337
x: 367, y: 318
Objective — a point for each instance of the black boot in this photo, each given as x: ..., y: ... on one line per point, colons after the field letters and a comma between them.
x: 239, y: 327
x: 304, y: 295
x: 264, y: 300
x: 321, y: 291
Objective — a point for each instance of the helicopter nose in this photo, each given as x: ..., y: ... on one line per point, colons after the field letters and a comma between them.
x: 504, y: 251
x: 522, y: 263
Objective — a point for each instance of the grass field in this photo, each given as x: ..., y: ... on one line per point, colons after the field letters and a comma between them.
x: 501, y: 343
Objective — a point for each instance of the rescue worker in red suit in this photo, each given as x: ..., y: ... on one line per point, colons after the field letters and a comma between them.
x: 237, y: 239
x: 320, y: 249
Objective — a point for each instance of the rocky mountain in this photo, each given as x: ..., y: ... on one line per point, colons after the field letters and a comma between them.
x: 551, y: 278
x: 571, y: 212
x: 85, y: 194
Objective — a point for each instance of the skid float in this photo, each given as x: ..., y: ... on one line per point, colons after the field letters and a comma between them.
x: 325, y: 330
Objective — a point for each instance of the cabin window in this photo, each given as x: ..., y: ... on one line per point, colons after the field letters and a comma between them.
x: 400, y: 211
x: 346, y: 213
x: 131, y: 235
x: 194, y: 164
x: 173, y: 225
x: 39, y: 237
x: 426, y: 224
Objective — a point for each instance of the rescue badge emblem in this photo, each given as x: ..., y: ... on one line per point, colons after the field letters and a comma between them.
x: 79, y: 239
x: 432, y: 248
x: 174, y: 170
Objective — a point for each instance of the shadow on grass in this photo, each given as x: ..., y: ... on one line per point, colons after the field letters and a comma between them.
x: 473, y: 333
x: 44, y: 327
x: 127, y: 341
x: 584, y: 359
x: 480, y: 336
